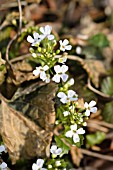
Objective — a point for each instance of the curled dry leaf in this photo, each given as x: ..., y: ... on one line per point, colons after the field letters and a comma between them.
x: 22, y: 71
x: 76, y: 155
x: 23, y: 137
x: 95, y: 69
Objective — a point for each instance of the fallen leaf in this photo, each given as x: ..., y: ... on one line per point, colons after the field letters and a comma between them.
x: 26, y: 138
x: 95, y: 69
x: 76, y: 155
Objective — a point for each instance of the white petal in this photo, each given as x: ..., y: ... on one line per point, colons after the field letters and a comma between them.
x: 45, y: 68
x: 57, y: 69
x: 68, y: 47
x: 64, y: 77
x: 66, y: 113
x: 42, y: 30
x: 42, y: 36
x: 76, y: 138
x: 64, y: 100
x: 50, y: 37
x: 3, y: 165
x: 43, y: 169
x: 48, y: 29
x: 93, y: 109
x: 61, y: 95
x: 64, y: 68
x: 65, y: 42
x: 86, y: 105
x: 87, y: 112
x: 30, y: 39
x: 40, y: 163
x: 58, y: 151
x: 71, y: 93
x: 60, y: 42
x: 36, y: 72
x: 73, y: 99
x: 73, y: 127
x: 47, y: 78
x: 69, y: 134
x: 92, y: 103
x: 53, y: 149
x: 71, y: 82
x: 2, y: 148
x: 43, y: 75
x: 80, y: 131
x: 56, y: 78
x: 35, y: 35
x: 34, y: 167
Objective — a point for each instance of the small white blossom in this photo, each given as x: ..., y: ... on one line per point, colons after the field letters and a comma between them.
x: 60, y: 73
x: 55, y: 151
x: 49, y: 166
x: 71, y: 82
x: 78, y: 50
x: 35, y: 40
x: 71, y: 96
x: 2, y: 149
x: 38, y: 165
x: 66, y: 113
x: 74, y: 133
x: 42, y: 72
x: 90, y: 108
x: 64, y: 45
x: 58, y: 163
x: 3, y: 166
x: 46, y: 32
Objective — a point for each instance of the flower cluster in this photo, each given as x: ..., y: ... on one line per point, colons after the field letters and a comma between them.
x: 51, y: 164
x: 69, y: 115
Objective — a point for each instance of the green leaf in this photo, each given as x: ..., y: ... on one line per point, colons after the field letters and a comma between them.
x: 61, y: 144
x: 95, y: 138
x: 108, y: 112
x: 99, y: 40
x: 107, y: 86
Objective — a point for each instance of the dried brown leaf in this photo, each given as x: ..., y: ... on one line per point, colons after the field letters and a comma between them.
x: 22, y: 137
x: 95, y: 69
x: 76, y: 155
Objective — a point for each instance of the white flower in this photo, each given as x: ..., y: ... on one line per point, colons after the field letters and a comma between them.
x: 2, y: 149
x: 46, y: 32
x: 38, y: 165
x: 64, y: 45
x: 58, y: 163
x: 71, y: 96
x: 89, y: 108
x: 60, y: 73
x: 35, y: 40
x: 66, y: 113
x: 55, y: 151
x: 3, y: 166
x: 42, y: 72
x: 75, y: 133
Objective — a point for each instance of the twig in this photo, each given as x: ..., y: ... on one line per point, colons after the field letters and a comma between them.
x: 20, y: 15
x: 96, y: 126
x: 105, y: 96
x: 97, y: 155
x: 108, y: 125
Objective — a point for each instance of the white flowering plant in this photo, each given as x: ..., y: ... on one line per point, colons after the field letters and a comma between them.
x: 69, y: 115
